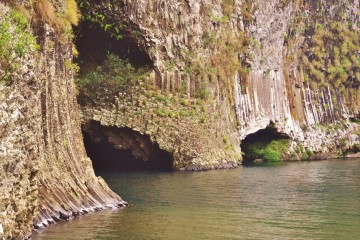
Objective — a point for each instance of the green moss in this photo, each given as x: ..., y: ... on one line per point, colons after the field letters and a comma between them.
x: 161, y: 98
x: 184, y: 102
x: 184, y: 113
x: 255, y: 150
x: 161, y: 112
x: 304, y: 156
x: 170, y: 65
x: 226, y: 139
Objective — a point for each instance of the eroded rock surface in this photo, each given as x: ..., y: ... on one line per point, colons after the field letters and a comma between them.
x: 241, y: 52
x: 45, y: 174
x: 221, y: 71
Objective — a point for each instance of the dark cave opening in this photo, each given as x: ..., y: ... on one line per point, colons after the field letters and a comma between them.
x: 119, y: 149
x: 93, y: 45
x: 266, y: 144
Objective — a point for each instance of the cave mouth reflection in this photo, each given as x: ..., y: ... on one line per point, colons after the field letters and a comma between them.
x: 253, y: 144
x: 118, y: 149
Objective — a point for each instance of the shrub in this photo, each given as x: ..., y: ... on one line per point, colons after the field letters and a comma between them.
x: 280, y: 145
x: 255, y: 150
x: 271, y: 155
x: 100, y: 18
x: 15, y: 42
x: 309, y: 152
x: 304, y: 156
x: 269, y: 151
x: 115, y: 75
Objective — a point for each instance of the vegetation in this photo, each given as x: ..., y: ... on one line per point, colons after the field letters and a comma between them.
x: 114, y: 76
x: 203, y: 92
x: 329, y: 49
x: 16, y: 41
x: 269, y: 151
x: 351, y: 150
x: 61, y: 19
x: 304, y: 153
x: 229, y: 51
x: 332, y: 57
x: 95, y: 16
x: 227, y: 60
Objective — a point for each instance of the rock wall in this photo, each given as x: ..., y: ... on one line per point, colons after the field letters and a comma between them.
x: 46, y: 176
x: 240, y: 51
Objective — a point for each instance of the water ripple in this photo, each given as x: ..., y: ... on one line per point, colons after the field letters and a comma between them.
x: 305, y: 200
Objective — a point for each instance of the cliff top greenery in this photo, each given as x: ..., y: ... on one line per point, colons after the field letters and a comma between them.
x: 16, y: 29
x: 16, y: 41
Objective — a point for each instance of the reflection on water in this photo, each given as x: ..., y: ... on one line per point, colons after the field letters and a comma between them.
x: 304, y: 200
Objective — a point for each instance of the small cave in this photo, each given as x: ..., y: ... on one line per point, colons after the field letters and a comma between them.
x: 118, y: 149
x: 264, y: 145
x: 93, y: 45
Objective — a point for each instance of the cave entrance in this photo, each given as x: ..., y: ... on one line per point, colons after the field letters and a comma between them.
x: 264, y: 145
x: 117, y: 149
x: 94, y: 44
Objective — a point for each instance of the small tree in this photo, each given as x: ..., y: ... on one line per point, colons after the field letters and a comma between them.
x: 112, y: 77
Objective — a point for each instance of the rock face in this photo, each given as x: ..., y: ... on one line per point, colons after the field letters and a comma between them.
x: 248, y: 56
x: 221, y: 71
x: 45, y: 173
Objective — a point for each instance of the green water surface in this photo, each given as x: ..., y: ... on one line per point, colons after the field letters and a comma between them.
x: 302, y: 200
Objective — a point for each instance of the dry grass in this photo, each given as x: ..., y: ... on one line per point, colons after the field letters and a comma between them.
x: 62, y: 22
x: 45, y: 11
x: 72, y: 14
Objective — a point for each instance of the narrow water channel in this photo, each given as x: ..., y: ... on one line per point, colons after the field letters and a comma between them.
x: 302, y: 200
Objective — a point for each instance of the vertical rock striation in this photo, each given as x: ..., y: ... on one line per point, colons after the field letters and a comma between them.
x: 246, y: 55
x: 46, y: 176
x: 221, y: 70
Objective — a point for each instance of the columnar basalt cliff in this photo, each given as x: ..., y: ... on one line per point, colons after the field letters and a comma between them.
x: 214, y: 73
x: 45, y: 174
x: 259, y: 64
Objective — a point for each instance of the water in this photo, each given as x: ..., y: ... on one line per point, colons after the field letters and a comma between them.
x: 303, y: 200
